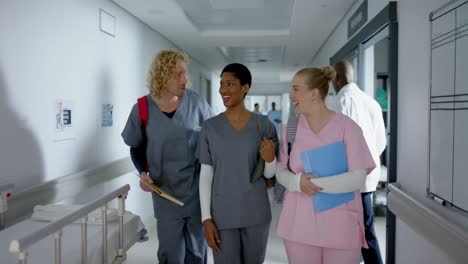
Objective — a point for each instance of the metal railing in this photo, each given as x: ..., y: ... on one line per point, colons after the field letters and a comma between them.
x: 5, y: 192
x: 20, y: 246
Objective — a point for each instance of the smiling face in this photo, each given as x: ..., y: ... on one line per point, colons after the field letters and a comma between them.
x: 301, y: 95
x: 231, y: 91
x: 177, y: 83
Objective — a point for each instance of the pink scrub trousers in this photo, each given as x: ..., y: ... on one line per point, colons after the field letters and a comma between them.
x: 305, y: 254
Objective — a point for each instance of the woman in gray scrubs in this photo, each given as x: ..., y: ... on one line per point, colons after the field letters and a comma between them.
x: 235, y: 211
x: 175, y: 116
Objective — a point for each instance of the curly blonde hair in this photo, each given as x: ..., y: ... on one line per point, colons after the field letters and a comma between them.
x: 162, y: 70
x: 318, y: 78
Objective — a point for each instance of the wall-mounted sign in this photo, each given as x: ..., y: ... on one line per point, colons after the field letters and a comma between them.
x: 63, y: 120
x: 106, y: 115
x: 358, y: 19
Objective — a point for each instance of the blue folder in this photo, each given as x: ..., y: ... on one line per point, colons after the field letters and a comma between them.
x: 327, y: 161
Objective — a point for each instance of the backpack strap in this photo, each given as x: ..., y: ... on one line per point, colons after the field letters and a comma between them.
x: 143, y: 114
x: 260, y: 120
x: 291, y: 129
x: 268, y: 127
x: 143, y: 111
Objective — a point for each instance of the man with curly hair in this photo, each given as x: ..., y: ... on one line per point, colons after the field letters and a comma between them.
x: 169, y: 140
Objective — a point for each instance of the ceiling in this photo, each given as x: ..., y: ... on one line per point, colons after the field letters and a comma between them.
x: 272, y: 37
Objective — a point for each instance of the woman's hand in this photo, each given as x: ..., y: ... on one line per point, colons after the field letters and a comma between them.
x: 267, y: 150
x: 212, y: 234
x: 307, y: 186
x: 269, y: 182
x: 146, y: 178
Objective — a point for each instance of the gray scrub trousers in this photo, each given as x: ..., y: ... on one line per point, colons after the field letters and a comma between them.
x: 240, y: 209
x: 171, y: 146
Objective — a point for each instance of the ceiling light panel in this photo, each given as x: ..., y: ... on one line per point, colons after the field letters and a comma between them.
x: 267, y: 56
x: 230, y: 4
x: 238, y: 15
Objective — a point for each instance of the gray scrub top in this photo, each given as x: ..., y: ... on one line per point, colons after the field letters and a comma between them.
x: 235, y: 201
x: 171, y: 150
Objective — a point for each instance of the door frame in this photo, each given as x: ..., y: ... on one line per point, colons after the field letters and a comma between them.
x: 385, y: 18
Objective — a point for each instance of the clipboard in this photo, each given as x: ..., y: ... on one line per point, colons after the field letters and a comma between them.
x: 161, y: 193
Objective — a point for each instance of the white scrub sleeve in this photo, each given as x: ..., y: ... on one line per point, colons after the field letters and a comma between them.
x: 270, y: 169
x: 340, y: 183
x: 206, y: 183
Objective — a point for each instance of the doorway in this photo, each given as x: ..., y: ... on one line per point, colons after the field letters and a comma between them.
x: 373, y: 51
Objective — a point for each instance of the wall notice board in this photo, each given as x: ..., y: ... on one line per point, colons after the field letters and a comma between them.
x: 448, y: 169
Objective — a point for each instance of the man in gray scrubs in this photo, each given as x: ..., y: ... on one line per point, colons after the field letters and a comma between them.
x: 175, y: 116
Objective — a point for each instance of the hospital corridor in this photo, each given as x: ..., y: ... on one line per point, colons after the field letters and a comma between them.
x: 234, y: 131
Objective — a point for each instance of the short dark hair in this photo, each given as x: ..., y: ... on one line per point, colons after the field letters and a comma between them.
x: 240, y: 71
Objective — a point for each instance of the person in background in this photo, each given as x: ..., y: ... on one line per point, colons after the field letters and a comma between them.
x: 235, y: 210
x: 256, y: 108
x: 367, y: 113
x: 175, y: 116
x: 337, y: 234
x: 275, y: 117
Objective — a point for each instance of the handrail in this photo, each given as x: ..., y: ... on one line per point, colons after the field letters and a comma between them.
x: 19, y: 246
x: 5, y: 192
x: 5, y: 187
x: 431, y: 223
x: 63, y: 188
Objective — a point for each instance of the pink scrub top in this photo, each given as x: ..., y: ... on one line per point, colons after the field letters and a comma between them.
x: 340, y: 227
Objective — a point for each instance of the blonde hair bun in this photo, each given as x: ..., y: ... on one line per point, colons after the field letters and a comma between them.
x: 329, y: 72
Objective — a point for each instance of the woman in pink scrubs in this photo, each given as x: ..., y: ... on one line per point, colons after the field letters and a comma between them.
x: 334, y: 236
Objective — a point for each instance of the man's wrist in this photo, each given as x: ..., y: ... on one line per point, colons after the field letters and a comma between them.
x: 206, y: 220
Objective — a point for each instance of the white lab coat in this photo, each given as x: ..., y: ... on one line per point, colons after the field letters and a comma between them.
x: 367, y: 113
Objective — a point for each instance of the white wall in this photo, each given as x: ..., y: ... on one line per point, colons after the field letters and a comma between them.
x: 54, y: 50
x: 413, y: 98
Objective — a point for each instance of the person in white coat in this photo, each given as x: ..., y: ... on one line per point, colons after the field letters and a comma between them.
x: 367, y: 113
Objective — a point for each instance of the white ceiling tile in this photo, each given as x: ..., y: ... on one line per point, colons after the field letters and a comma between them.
x: 230, y: 4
